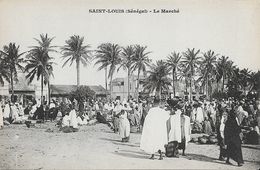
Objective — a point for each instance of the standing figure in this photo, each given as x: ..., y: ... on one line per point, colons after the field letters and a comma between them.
x: 154, y: 135
x: 179, y: 130
x: 1, y: 117
x: 232, y: 139
x: 124, y: 126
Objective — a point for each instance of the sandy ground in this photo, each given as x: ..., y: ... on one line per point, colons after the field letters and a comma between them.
x: 97, y: 147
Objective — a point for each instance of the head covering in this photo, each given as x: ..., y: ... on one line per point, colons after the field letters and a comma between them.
x: 172, y: 102
x: 180, y: 105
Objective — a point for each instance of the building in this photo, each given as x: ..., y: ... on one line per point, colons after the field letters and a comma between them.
x: 59, y: 91
x: 23, y: 91
x: 120, y: 89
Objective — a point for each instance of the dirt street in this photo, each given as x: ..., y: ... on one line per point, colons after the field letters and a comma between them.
x: 97, y: 147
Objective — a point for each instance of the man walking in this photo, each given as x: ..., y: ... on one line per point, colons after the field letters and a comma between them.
x: 154, y: 135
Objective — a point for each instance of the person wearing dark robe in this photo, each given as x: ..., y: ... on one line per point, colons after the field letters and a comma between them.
x: 232, y: 139
x: 220, y: 126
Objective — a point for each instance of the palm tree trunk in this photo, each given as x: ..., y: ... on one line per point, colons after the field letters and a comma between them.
x: 12, y: 86
x: 106, y: 80
x: 217, y: 86
x: 207, y: 87
x: 111, y: 85
x: 190, y: 89
x: 78, y: 73
x: 49, y: 92
x: 128, y: 88
x: 137, y: 88
x: 173, y: 79
x: 223, y: 83
x: 160, y: 94
x: 41, y: 89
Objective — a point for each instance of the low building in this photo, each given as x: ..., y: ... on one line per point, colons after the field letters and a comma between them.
x: 59, y: 91
x: 23, y: 91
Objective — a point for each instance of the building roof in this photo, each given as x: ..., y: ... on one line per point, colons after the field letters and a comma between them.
x: 66, y: 89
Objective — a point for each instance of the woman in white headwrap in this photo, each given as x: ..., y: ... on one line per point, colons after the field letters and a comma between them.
x: 7, y: 111
x: 124, y: 125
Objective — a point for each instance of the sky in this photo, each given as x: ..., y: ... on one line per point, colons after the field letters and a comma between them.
x: 230, y: 28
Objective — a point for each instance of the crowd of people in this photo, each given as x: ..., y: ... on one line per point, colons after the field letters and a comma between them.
x: 166, y: 126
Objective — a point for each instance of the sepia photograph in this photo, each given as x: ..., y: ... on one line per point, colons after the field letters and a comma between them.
x: 129, y: 84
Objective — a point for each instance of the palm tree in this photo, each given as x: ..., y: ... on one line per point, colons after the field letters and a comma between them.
x: 245, y: 78
x: 108, y: 56
x: 75, y: 51
x: 158, y: 78
x: 39, y: 62
x: 13, y: 60
x: 190, y: 63
x: 222, y: 70
x: 4, y: 73
x: 140, y: 62
x: 126, y: 63
x: 208, y: 70
x: 173, y: 62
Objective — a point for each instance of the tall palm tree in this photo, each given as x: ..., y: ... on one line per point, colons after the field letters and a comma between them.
x: 245, y: 78
x: 222, y: 70
x: 208, y: 70
x: 75, y: 51
x: 4, y: 71
x: 126, y: 63
x: 190, y: 63
x: 158, y: 78
x: 13, y: 60
x: 108, y: 56
x: 140, y: 62
x: 39, y: 62
x: 173, y: 62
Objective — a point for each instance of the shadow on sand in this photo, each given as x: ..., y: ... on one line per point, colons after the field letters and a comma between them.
x: 203, y: 158
x: 111, y: 140
x: 251, y: 147
x: 132, y: 154
x: 119, y: 142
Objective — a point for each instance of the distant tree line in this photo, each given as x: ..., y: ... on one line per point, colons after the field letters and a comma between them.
x: 191, y: 66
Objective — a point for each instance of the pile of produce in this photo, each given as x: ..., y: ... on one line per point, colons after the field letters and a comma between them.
x: 205, y: 139
x: 197, y: 127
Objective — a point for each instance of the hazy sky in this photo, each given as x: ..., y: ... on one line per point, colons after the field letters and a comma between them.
x: 230, y: 28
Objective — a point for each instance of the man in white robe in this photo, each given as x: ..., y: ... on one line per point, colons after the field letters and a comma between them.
x: 154, y: 135
x: 179, y: 129
x: 200, y: 114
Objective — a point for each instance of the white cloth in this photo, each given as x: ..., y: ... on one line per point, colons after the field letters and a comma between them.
x: 73, y: 119
x: 199, y: 115
x: 52, y: 105
x: 154, y: 135
x: 21, y: 110
x: 14, y: 111
x: 80, y: 122
x: 175, y: 123
x: 7, y: 111
x: 124, y: 126
x: 65, y: 121
x: 175, y: 128
x: 1, y: 117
